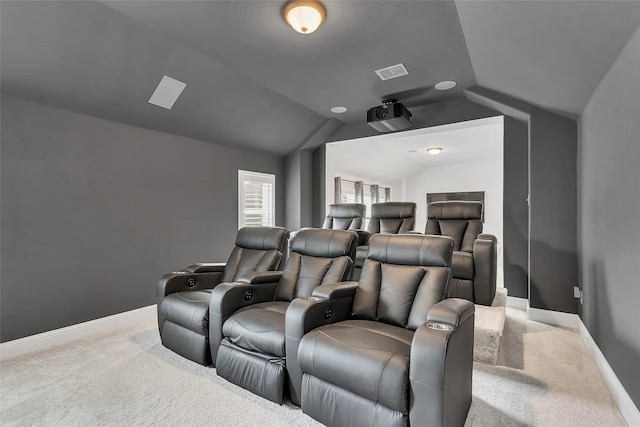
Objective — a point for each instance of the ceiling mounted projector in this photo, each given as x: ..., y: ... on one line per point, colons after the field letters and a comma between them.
x: 388, y: 117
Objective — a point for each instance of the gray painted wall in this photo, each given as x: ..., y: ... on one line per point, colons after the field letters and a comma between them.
x: 515, y: 207
x: 94, y: 212
x: 292, y: 190
x: 610, y: 202
x: 553, y: 187
x: 553, y: 267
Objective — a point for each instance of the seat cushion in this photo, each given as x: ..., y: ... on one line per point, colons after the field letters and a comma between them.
x: 370, y: 359
x: 259, y: 327
x: 189, y: 309
x: 462, y: 265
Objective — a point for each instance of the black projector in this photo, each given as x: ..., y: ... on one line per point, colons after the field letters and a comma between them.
x: 388, y: 117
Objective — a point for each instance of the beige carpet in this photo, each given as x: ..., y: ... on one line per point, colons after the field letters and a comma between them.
x: 488, y: 328
x: 543, y: 377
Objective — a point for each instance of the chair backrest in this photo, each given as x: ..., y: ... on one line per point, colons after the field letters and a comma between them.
x: 317, y: 257
x: 392, y: 217
x: 345, y: 216
x: 402, y: 278
x: 462, y: 221
x: 257, y: 249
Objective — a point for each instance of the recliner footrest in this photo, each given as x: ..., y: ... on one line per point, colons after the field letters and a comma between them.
x: 263, y: 375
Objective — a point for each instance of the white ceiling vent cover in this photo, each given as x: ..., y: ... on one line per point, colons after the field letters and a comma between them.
x: 392, y: 72
x: 167, y: 92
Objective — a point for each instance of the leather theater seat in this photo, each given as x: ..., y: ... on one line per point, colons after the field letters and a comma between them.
x: 247, y: 322
x: 345, y: 216
x: 393, y: 351
x: 183, y: 296
x: 386, y: 218
x: 475, y: 260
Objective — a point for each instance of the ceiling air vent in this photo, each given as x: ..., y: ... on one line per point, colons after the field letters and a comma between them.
x: 392, y: 72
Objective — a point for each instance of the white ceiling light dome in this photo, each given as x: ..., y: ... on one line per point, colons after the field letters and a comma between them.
x: 434, y: 151
x: 304, y: 16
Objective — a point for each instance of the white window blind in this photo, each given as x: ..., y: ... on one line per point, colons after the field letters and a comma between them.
x: 256, y: 199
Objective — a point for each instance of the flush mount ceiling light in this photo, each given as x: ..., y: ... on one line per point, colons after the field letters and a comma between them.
x: 445, y: 85
x: 304, y: 16
x: 338, y: 110
x: 434, y: 151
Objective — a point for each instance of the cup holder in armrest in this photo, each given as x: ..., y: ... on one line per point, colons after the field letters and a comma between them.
x: 439, y: 326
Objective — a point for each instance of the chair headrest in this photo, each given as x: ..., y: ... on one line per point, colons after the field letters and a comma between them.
x: 262, y: 238
x: 454, y: 210
x: 347, y: 210
x: 393, y: 210
x: 324, y: 243
x: 411, y: 249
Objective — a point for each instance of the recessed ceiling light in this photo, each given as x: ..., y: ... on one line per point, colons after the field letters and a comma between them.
x: 167, y: 92
x: 445, y: 85
x: 434, y: 151
x: 338, y: 110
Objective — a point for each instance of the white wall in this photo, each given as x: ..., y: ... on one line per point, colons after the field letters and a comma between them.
x: 486, y: 176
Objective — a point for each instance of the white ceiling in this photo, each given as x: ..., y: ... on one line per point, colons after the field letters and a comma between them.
x: 389, y: 157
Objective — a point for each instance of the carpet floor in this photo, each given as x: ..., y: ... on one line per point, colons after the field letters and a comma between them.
x: 543, y: 377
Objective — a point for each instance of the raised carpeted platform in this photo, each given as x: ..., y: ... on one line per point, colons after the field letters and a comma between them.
x: 489, y: 324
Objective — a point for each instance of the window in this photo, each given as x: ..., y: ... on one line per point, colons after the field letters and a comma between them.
x: 256, y: 199
x: 347, y: 191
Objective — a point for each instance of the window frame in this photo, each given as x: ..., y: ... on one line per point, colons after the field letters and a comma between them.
x: 252, y: 176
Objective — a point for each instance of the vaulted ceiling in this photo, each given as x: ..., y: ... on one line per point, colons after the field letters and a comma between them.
x: 254, y: 82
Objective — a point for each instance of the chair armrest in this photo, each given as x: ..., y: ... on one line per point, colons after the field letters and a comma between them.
x: 485, y: 269
x: 179, y: 281
x: 441, y: 365
x: 363, y: 237
x: 336, y: 290
x: 452, y: 312
x: 206, y: 267
x: 226, y: 299
x: 304, y: 315
x: 259, y: 277
x: 485, y: 236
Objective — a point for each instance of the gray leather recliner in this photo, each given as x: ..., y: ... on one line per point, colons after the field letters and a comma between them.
x: 247, y: 321
x: 183, y: 296
x: 345, y: 216
x: 475, y: 257
x: 386, y: 218
x: 389, y: 350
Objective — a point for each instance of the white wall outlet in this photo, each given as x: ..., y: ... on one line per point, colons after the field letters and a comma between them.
x: 577, y: 293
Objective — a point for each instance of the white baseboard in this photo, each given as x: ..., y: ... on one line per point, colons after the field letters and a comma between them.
x: 517, y: 303
x: 71, y: 333
x: 556, y: 318
x: 629, y: 410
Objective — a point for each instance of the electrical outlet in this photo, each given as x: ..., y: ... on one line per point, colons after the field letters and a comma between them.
x: 577, y: 293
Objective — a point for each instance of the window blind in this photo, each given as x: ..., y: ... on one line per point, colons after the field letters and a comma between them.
x: 256, y: 199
